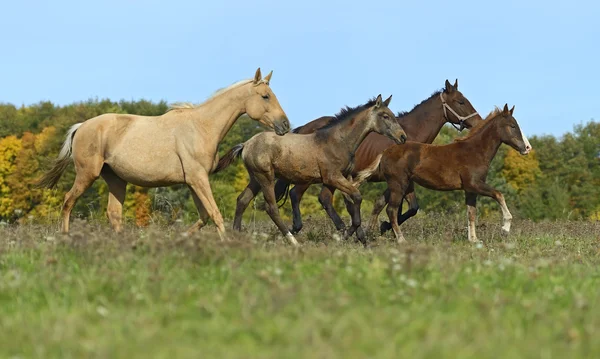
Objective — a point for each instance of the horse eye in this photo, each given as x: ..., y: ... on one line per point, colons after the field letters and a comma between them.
x: 513, y: 126
x: 266, y: 97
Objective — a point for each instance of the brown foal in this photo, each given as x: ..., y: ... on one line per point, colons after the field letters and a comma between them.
x: 462, y: 165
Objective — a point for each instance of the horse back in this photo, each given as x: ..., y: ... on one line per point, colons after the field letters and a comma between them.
x: 313, y: 126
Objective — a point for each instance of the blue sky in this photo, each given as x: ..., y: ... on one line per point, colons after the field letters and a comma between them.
x: 541, y: 56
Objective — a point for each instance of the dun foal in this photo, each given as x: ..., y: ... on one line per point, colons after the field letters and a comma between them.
x: 325, y: 156
x: 463, y: 164
x: 177, y: 147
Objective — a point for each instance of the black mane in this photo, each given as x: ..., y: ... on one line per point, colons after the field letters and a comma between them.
x: 404, y: 113
x: 347, y: 113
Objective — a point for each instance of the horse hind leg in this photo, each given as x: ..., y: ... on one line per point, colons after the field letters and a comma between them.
x: 243, y: 200
x: 413, y: 208
x: 397, y: 191
x: 378, y: 206
x: 296, y: 194
x: 84, y: 178
x: 413, y: 205
x: 117, y: 189
x: 268, y: 188
x: 326, y: 200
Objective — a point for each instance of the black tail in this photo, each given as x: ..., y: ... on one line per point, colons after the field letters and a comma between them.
x: 229, y: 157
x: 282, y: 189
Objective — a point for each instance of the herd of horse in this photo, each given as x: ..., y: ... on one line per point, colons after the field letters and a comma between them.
x: 363, y: 143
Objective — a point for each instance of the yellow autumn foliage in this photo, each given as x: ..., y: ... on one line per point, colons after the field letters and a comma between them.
x: 520, y: 171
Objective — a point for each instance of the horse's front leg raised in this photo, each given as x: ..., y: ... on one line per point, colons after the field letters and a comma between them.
x: 344, y: 185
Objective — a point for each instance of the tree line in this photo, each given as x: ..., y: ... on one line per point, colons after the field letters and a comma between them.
x: 560, y: 179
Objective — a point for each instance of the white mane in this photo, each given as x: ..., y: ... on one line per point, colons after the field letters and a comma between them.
x: 188, y: 105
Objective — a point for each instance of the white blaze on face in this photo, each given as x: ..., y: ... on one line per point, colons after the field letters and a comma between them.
x: 528, y: 147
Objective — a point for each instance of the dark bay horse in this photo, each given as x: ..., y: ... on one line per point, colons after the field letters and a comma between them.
x: 421, y: 124
x: 325, y: 156
x: 462, y: 165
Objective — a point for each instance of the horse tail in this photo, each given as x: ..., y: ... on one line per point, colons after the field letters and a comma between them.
x: 367, y: 172
x: 50, y: 178
x: 230, y: 156
x: 282, y: 190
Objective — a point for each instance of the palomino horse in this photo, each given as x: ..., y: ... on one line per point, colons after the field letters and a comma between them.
x: 462, y: 165
x: 325, y: 156
x: 177, y: 147
x: 422, y: 124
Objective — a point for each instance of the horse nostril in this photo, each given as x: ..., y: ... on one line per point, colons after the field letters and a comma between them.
x: 403, y: 138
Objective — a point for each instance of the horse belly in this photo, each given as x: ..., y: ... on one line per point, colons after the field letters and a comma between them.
x: 148, y: 170
x: 436, y: 179
x: 298, y: 170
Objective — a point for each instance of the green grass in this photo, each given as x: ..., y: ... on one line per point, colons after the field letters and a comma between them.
x: 154, y: 293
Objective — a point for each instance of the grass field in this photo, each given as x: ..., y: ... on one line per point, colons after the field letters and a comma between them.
x: 155, y: 293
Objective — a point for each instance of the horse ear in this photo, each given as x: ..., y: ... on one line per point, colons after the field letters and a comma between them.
x: 512, y: 110
x: 505, y: 110
x: 387, y: 101
x: 378, y: 101
x: 257, y: 76
x: 449, y: 87
x: 456, y: 84
x: 268, y: 77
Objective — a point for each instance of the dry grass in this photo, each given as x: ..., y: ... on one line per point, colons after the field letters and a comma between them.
x: 155, y: 293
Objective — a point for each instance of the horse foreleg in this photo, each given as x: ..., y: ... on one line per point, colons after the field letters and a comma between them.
x: 117, y: 189
x: 243, y: 201
x: 326, y: 200
x: 471, y: 202
x: 268, y: 187
x: 296, y: 194
x: 201, y: 187
x: 486, y: 190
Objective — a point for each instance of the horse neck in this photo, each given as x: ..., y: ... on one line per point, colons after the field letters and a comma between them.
x: 484, y: 143
x: 425, y: 121
x: 350, y: 137
x: 216, y: 117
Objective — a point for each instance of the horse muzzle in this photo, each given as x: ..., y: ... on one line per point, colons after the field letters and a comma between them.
x: 282, y: 127
x: 400, y: 140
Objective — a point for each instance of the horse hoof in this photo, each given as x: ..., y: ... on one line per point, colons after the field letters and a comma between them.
x: 295, y: 230
x: 384, y: 227
x: 505, y: 233
x: 401, y: 240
